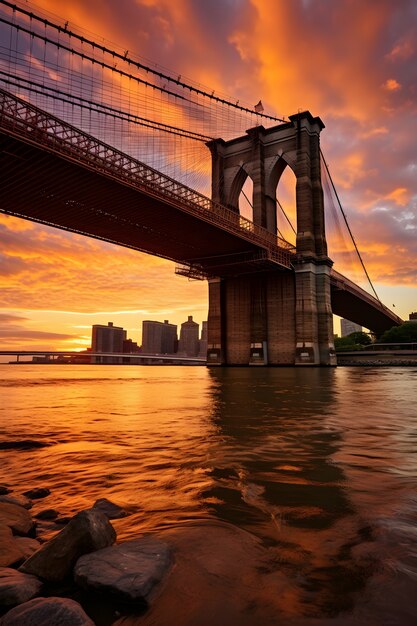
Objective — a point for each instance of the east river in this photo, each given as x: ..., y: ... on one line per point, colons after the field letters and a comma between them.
x: 311, y: 473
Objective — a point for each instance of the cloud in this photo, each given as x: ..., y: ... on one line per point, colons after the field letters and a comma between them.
x: 353, y: 63
x: 6, y: 318
x: 392, y: 85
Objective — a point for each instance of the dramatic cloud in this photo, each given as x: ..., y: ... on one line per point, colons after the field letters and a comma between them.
x: 352, y: 62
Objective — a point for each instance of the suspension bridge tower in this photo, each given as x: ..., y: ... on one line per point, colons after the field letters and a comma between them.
x: 274, y: 317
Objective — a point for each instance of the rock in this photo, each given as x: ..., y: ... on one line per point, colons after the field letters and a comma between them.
x: 128, y: 572
x: 37, y: 493
x: 10, y: 552
x: 27, y: 546
x: 16, y: 517
x: 111, y: 510
x: 4, y: 490
x: 24, y: 444
x: 16, y: 499
x: 47, y: 612
x: 47, y: 514
x: 87, y: 531
x: 62, y: 521
x: 16, y: 587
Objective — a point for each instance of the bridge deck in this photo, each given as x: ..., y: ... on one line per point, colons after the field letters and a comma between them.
x: 53, y: 173
x: 75, y: 182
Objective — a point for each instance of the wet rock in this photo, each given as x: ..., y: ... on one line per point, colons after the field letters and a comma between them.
x: 62, y: 521
x: 111, y: 510
x: 24, y: 444
x: 4, y: 490
x: 10, y: 552
x: 47, y: 612
x: 37, y: 493
x: 27, y: 546
x: 16, y: 587
x: 87, y: 531
x: 47, y: 514
x: 17, y: 499
x: 127, y: 572
x: 16, y: 517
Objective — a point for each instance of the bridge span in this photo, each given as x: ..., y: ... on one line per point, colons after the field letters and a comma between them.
x: 55, y: 174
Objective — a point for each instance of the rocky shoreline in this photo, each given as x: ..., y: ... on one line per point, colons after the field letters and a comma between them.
x: 368, y: 362
x: 48, y: 583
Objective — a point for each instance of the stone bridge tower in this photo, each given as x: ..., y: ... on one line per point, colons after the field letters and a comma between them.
x: 274, y: 317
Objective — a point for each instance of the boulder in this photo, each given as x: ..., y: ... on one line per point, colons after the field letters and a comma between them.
x: 37, y: 493
x: 87, y: 531
x: 17, y: 499
x: 24, y: 444
x: 127, y: 572
x: 47, y: 514
x: 111, y: 510
x: 10, y: 552
x: 47, y: 612
x: 27, y: 546
x: 16, y: 587
x: 16, y: 517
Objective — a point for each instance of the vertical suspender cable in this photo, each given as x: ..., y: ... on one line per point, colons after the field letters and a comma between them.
x: 348, y: 227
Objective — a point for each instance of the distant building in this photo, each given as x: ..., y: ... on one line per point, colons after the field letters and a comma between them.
x: 203, y: 341
x: 189, y: 341
x: 158, y: 337
x: 107, y: 339
x: 130, y: 346
x: 347, y: 327
x: 413, y: 317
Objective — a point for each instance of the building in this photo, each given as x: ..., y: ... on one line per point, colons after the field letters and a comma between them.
x: 202, y: 353
x: 189, y: 341
x: 130, y: 346
x: 158, y: 337
x: 413, y: 317
x: 347, y: 327
x: 108, y: 338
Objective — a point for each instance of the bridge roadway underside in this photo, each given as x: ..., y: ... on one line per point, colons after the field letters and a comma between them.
x: 45, y: 187
x: 350, y: 305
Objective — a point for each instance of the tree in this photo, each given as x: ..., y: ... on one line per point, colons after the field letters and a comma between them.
x: 406, y: 333
x: 360, y: 338
x: 354, y: 341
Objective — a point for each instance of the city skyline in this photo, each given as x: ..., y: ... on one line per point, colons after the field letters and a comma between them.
x: 361, y: 82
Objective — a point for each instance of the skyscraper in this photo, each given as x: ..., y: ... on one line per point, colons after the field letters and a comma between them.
x: 347, y: 327
x: 107, y: 339
x: 189, y: 343
x: 158, y: 337
x: 203, y: 341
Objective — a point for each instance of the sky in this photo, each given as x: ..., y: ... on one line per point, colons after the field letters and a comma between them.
x: 351, y: 62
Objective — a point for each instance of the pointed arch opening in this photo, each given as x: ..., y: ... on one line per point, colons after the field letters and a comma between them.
x: 245, y: 201
x: 287, y: 205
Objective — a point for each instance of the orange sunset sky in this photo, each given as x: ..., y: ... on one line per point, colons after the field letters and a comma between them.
x: 351, y: 62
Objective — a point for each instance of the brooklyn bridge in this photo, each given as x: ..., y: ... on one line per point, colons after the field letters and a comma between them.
x: 88, y: 135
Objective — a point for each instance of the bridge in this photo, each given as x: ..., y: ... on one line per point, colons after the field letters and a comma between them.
x: 120, y: 358
x: 269, y: 302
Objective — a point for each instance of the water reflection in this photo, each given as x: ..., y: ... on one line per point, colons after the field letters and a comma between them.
x: 319, y: 464
x: 275, y: 476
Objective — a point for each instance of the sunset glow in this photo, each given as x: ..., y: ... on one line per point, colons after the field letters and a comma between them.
x: 353, y: 63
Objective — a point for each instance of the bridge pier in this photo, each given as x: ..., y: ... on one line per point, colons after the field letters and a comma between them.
x: 274, y: 317
x: 271, y: 318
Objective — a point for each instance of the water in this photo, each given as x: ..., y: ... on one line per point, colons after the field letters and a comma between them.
x: 319, y: 465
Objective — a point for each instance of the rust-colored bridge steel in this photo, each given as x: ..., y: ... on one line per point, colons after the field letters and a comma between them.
x: 55, y: 174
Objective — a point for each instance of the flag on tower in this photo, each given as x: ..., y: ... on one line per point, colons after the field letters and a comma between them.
x: 259, y: 108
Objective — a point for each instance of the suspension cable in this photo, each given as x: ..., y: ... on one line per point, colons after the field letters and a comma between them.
x: 127, y: 59
x: 91, y: 105
x: 347, y: 225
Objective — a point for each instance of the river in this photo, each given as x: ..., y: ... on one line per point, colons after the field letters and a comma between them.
x: 317, y: 467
